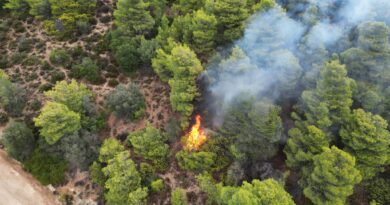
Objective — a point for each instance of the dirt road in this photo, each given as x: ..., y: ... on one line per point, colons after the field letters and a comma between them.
x: 19, y: 188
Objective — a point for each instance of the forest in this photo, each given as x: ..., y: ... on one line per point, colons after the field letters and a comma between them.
x: 216, y: 102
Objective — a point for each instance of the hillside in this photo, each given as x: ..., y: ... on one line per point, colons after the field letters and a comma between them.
x: 130, y: 102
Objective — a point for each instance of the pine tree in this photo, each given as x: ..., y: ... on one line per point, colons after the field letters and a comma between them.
x: 231, y: 15
x: 329, y: 104
x: 133, y: 17
x: 303, y: 145
x: 56, y: 121
x: 204, y: 30
x: 367, y: 138
x: 333, y: 178
x: 180, y: 68
x: 258, y: 192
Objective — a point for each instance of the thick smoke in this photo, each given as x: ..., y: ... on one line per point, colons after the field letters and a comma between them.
x: 281, y: 50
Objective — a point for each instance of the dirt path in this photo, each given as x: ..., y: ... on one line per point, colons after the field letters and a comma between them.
x: 17, y: 187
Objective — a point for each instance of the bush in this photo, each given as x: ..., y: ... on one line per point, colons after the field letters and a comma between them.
x: 46, y: 168
x: 18, y: 58
x: 196, y: 161
x: 96, y: 175
x: 25, y: 44
x: 12, y: 98
x: 83, y: 27
x: 126, y: 102
x: 379, y: 190
x: 157, y: 185
x: 60, y: 57
x: 113, y: 83
x: 87, y: 69
x: 4, y: 63
x: 57, y: 76
x: 3, y: 118
x: 18, y: 140
x: 179, y: 197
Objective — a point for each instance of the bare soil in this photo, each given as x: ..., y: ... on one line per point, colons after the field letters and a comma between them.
x: 17, y: 187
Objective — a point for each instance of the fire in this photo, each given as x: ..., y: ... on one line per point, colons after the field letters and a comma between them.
x: 196, y: 137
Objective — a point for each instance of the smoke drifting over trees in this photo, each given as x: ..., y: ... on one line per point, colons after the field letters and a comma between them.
x: 281, y: 53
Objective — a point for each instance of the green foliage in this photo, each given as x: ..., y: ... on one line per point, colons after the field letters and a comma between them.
x: 40, y: 8
x: 180, y: 69
x: 207, y: 185
x: 96, y: 175
x: 78, y: 149
x: 88, y: 70
x: 126, y: 102
x: 122, y: 180
x: 157, y: 185
x: 56, y: 121
x: 18, y: 8
x: 12, y: 97
x: 46, y: 168
x: 179, y: 197
x: 330, y: 102
x: 60, y: 57
x: 133, y: 17
x: 18, y: 140
x: 110, y: 148
x: 188, y: 6
x: 72, y: 94
x: 231, y: 15
x: 255, y: 128
x: 196, y: 161
x: 204, y: 30
x: 370, y: 73
x: 367, y: 138
x: 303, y: 145
x: 379, y: 191
x: 267, y: 192
x: 149, y: 143
x: 333, y: 177
x: 67, y: 15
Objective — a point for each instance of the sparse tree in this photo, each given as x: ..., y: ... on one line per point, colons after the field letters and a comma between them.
x: 18, y: 140
x: 56, y: 121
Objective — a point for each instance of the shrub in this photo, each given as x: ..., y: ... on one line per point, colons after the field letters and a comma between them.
x: 196, y: 161
x: 12, y: 97
x: 157, y: 185
x: 113, y: 83
x: 179, y: 197
x: 379, y: 190
x: 18, y: 58
x: 3, y: 118
x: 18, y: 140
x: 25, y: 44
x: 96, y: 175
x: 87, y: 69
x: 46, y: 168
x: 126, y: 102
x: 4, y: 63
x: 57, y: 76
x: 60, y: 57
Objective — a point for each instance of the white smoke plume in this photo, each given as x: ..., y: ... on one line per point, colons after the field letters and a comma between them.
x: 281, y: 51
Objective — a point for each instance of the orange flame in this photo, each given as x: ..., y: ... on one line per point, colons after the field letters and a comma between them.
x: 196, y: 137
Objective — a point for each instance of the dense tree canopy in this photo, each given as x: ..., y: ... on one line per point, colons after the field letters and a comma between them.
x: 180, y: 68
x: 333, y: 177
x: 367, y: 138
x: 254, y: 127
